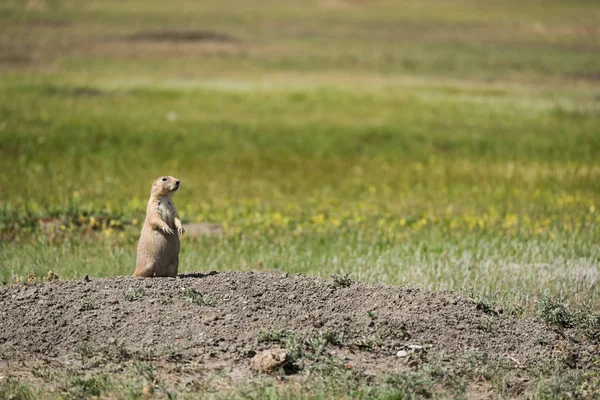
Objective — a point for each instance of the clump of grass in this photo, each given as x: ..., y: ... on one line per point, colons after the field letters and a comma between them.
x: 371, y: 342
x: 288, y: 339
x: 410, y: 385
x: 135, y: 294
x: 272, y: 336
x: 556, y: 311
x: 559, y: 382
x: 587, y: 319
x: 312, y: 348
x: 494, y: 303
x: 88, y: 304
x: 82, y: 388
x: 147, y: 372
x: 194, y: 296
x: 342, y: 280
x: 13, y: 389
x: 333, y: 338
x: 315, y: 345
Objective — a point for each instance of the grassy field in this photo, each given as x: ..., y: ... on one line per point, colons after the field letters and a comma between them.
x: 444, y: 145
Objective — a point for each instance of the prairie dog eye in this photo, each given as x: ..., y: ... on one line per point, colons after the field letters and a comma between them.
x: 164, y: 179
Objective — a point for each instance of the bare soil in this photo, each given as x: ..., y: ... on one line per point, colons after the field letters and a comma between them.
x: 219, y: 321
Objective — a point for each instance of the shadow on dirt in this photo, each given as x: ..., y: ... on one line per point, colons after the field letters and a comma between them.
x: 197, y: 275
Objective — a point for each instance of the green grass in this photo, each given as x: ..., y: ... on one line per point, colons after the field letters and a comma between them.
x: 422, y: 186
x: 195, y: 297
x: 447, y: 377
x: 441, y: 145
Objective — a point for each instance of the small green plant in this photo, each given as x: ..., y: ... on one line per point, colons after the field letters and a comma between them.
x: 272, y: 336
x: 410, y: 385
x: 194, y: 296
x: 88, y: 304
x: 342, y: 280
x: 135, y: 294
x: 370, y: 342
x: 293, y: 345
x: 81, y: 388
x: 559, y: 382
x: 554, y: 311
x: 494, y: 303
x: 333, y: 338
x: 147, y: 372
x: 484, y: 302
x: 85, y: 351
x: 316, y: 344
x: 587, y: 319
x: 331, y: 367
x: 372, y: 315
x: 13, y: 389
x: 288, y: 339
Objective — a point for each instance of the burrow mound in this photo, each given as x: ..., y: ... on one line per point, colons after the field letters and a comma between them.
x: 221, y: 318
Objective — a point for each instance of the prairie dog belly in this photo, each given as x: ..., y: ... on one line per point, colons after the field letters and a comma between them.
x: 163, y: 248
x: 167, y: 212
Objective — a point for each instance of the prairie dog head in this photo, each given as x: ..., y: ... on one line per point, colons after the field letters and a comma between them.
x: 165, y: 186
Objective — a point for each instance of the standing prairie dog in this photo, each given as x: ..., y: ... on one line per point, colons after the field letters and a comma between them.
x: 158, y: 248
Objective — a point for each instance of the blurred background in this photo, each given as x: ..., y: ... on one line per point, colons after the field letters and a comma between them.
x: 445, y: 144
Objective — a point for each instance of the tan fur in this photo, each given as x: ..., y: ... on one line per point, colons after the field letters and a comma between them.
x: 158, y: 248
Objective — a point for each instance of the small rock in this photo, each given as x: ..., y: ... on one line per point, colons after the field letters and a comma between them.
x: 415, y: 347
x: 402, y: 353
x: 268, y: 360
x: 147, y: 392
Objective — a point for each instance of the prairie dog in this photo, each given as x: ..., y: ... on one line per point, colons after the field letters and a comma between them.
x: 158, y: 248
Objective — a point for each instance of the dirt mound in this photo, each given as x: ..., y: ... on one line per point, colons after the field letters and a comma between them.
x: 222, y: 320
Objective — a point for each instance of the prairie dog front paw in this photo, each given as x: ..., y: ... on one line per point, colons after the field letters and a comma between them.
x: 167, y: 229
